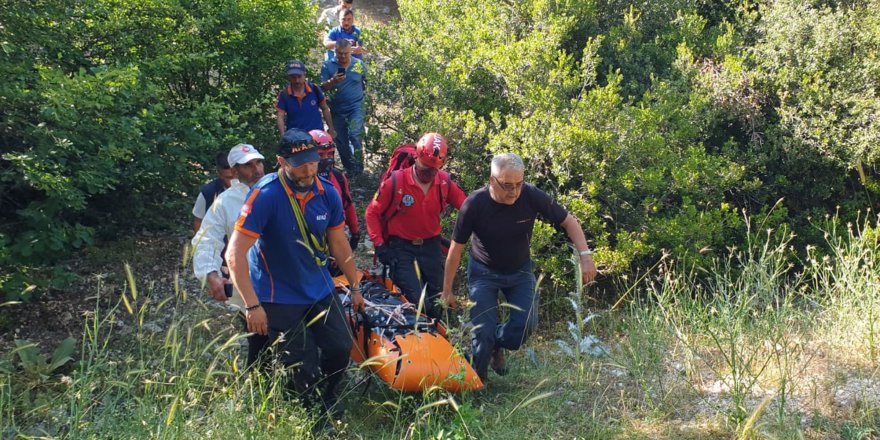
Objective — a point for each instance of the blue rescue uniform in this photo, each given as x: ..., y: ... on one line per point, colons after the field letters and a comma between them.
x: 304, y: 113
x: 282, y: 269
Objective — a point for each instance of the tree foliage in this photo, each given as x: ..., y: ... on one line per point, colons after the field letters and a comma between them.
x: 822, y: 62
x: 655, y: 123
x: 111, y: 108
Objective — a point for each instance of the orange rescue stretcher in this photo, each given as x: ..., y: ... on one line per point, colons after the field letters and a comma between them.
x: 408, y: 351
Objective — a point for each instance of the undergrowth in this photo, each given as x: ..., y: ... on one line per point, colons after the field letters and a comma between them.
x: 763, y: 345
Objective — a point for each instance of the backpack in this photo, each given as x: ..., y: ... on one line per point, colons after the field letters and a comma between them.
x: 402, y: 158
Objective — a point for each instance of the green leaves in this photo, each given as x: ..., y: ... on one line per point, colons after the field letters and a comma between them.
x: 36, y: 364
x: 824, y: 66
x: 536, y: 78
x: 113, y: 110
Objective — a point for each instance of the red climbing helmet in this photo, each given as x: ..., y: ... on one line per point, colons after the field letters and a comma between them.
x: 323, y: 140
x: 431, y: 150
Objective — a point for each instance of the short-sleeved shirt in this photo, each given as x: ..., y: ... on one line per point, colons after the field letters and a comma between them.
x: 412, y: 213
x: 502, y: 233
x: 282, y: 270
x: 206, y: 197
x: 337, y: 33
x: 302, y: 113
x: 350, y: 92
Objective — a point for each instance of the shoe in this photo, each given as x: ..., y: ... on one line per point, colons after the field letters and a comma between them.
x: 498, y: 363
x: 482, y: 392
x: 324, y: 428
x: 334, y: 409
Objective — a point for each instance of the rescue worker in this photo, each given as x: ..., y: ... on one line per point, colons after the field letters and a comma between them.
x: 345, y: 80
x: 302, y: 104
x: 218, y: 225
x: 212, y: 189
x: 327, y: 170
x: 329, y: 17
x: 291, y: 222
x: 403, y: 221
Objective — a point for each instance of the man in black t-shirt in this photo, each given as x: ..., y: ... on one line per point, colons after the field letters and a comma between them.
x: 500, y: 217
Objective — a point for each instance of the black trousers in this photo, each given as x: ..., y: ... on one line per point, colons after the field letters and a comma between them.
x: 429, y: 276
x: 296, y: 345
x: 256, y: 347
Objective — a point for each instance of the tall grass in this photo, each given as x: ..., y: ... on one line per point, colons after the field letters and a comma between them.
x: 153, y: 366
x: 847, y: 282
x: 736, y: 346
x: 743, y: 335
x: 166, y: 365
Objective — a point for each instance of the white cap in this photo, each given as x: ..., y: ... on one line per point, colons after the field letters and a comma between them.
x: 242, y: 154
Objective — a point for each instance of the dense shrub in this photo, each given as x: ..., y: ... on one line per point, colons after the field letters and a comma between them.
x: 112, y: 109
x: 655, y: 123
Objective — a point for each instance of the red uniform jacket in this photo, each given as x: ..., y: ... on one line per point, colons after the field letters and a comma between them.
x: 417, y: 213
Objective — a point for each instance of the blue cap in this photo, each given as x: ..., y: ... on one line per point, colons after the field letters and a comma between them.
x: 295, y: 67
x: 298, y: 148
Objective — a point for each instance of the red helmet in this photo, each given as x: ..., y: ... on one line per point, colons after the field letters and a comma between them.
x: 431, y: 150
x: 323, y: 140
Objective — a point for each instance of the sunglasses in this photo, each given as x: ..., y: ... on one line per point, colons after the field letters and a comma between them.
x: 509, y: 186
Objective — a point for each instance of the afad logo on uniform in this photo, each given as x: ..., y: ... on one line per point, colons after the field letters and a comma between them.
x: 321, y: 217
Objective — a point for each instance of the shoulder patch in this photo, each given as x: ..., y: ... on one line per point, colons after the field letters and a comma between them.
x: 358, y: 67
x: 248, y: 205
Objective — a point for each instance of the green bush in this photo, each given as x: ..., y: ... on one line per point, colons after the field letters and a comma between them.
x: 638, y: 175
x: 655, y: 123
x: 112, y: 112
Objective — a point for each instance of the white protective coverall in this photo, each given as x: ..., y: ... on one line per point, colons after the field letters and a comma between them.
x: 219, y: 223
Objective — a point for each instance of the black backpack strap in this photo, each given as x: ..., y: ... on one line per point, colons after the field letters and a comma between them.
x: 385, y: 216
x: 444, y: 192
x: 346, y: 187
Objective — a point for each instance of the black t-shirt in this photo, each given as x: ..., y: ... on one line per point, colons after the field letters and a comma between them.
x: 503, y: 233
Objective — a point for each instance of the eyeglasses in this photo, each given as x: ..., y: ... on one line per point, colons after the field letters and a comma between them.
x: 509, y: 186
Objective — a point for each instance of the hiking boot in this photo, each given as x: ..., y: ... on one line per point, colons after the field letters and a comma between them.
x: 482, y: 392
x: 498, y: 363
x: 324, y: 428
x: 334, y: 408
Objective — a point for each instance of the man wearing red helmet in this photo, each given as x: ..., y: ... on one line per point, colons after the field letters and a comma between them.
x: 326, y: 152
x: 403, y: 221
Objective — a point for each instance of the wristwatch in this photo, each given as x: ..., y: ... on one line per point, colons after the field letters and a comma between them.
x: 585, y: 252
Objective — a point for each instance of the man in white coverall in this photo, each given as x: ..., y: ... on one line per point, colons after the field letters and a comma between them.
x: 218, y: 224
